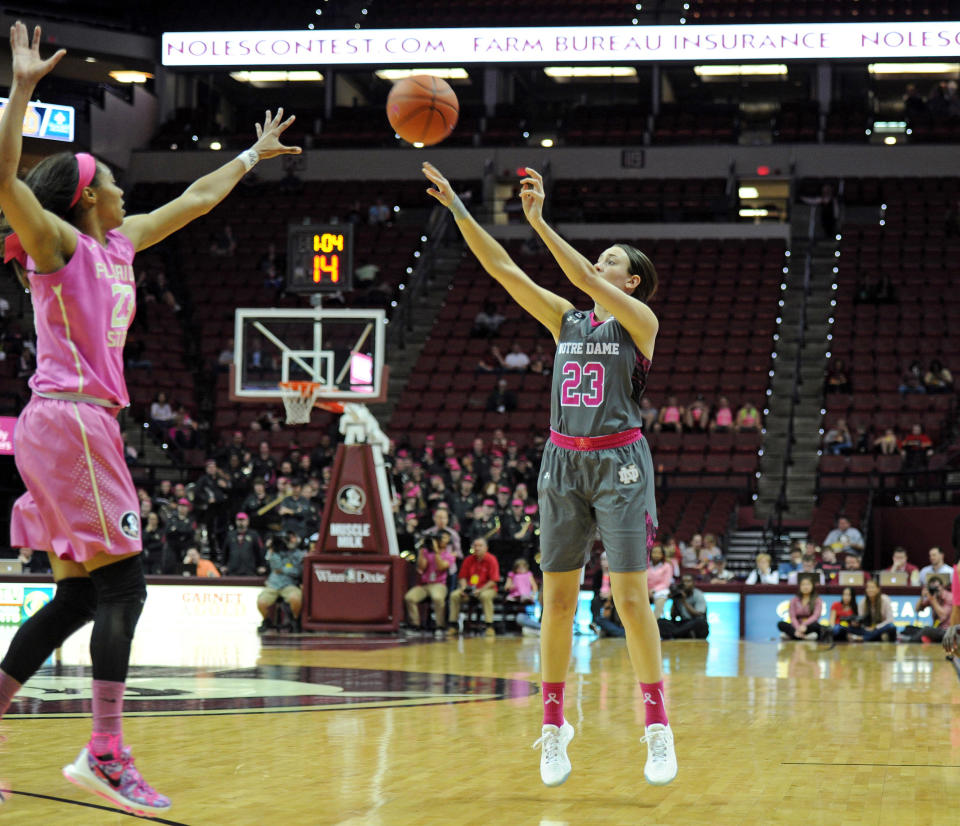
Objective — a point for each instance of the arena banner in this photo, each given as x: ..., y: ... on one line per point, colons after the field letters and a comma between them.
x: 50, y: 121
x: 563, y: 44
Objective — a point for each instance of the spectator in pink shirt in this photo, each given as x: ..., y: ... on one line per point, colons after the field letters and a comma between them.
x: 433, y: 562
x: 805, y: 611
x: 723, y: 417
x: 659, y: 577
x: 521, y: 586
x: 671, y: 416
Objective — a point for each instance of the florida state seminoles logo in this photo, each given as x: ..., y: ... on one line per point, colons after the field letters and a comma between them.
x: 351, y: 499
x: 130, y: 525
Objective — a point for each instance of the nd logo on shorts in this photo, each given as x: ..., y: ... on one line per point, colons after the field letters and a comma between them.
x: 629, y: 474
x: 130, y: 525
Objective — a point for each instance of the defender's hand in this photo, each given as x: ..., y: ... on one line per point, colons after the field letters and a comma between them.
x: 28, y: 67
x: 268, y: 136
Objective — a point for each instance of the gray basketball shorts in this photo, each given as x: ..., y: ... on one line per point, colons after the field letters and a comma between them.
x: 581, y: 491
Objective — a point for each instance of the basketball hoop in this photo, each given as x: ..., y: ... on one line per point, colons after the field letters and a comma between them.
x: 299, y: 398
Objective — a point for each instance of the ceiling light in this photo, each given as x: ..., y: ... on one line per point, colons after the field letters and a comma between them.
x: 546, y: 143
x: 913, y: 68
x: 590, y: 71
x: 277, y: 76
x: 754, y: 213
x: 742, y: 70
x: 130, y: 76
x: 216, y: 146
x: 749, y: 192
x: 889, y: 140
x: 89, y: 60
x: 454, y: 73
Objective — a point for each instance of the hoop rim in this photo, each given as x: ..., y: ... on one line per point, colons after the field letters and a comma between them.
x: 304, y: 388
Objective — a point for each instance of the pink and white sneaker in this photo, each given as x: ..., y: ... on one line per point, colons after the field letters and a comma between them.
x: 116, y: 779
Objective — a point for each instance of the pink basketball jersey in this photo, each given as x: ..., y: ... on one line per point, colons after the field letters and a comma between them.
x: 82, y: 313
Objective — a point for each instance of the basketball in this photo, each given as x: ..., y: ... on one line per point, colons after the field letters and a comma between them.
x: 422, y: 109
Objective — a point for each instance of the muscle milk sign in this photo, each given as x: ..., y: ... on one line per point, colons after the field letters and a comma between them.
x: 349, y: 534
x: 564, y: 45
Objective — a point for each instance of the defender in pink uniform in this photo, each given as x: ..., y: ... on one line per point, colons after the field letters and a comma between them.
x: 73, y: 249
x: 90, y: 506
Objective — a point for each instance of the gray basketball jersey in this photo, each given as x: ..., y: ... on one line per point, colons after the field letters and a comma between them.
x: 599, y: 375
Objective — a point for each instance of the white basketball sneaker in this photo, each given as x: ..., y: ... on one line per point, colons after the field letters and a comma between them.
x: 661, y: 766
x: 554, y: 763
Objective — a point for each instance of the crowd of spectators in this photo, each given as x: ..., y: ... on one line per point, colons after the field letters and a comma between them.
x: 914, y: 447
x: 699, y: 416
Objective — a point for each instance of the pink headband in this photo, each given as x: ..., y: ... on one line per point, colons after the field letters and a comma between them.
x: 86, y: 170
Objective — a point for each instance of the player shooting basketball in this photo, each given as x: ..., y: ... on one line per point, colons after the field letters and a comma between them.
x: 597, y: 469
x: 74, y: 247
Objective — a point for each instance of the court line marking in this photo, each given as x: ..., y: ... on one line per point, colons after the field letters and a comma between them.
x: 890, y: 765
x: 71, y: 715
x: 93, y: 806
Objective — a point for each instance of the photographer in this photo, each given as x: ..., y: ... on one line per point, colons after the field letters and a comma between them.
x: 940, y: 602
x: 688, y: 614
x: 285, y: 560
x: 434, y: 559
x: 606, y: 620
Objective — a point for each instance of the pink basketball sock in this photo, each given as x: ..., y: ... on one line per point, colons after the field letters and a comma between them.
x: 553, y: 704
x: 107, y: 718
x: 8, y: 690
x: 654, y: 703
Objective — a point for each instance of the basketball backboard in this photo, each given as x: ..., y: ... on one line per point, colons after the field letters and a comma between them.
x: 341, y: 349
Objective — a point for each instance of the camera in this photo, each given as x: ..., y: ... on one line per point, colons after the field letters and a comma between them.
x: 676, y: 591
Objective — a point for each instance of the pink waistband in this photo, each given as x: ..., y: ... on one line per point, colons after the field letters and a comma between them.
x: 627, y: 437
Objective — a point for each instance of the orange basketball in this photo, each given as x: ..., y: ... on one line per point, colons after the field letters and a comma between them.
x: 422, y: 109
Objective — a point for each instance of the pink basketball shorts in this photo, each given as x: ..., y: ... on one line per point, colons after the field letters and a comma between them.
x: 80, y: 498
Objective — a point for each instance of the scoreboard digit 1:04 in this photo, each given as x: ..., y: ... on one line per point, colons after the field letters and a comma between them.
x: 320, y: 258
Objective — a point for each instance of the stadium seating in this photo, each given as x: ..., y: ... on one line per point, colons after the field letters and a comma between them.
x: 640, y: 199
x: 907, y: 243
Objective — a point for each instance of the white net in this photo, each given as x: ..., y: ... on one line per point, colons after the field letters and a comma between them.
x: 298, y: 399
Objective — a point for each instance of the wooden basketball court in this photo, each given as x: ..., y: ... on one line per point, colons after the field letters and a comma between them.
x: 386, y: 733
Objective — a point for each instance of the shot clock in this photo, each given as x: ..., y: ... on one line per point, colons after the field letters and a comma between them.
x: 320, y: 258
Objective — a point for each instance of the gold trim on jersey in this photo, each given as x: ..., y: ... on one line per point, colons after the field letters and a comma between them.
x: 66, y: 328
x: 93, y: 477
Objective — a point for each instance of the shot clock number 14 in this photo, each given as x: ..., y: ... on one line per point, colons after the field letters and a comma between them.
x: 320, y: 258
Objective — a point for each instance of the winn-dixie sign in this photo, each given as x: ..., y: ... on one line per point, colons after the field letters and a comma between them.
x: 568, y: 44
x: 349, y: 576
